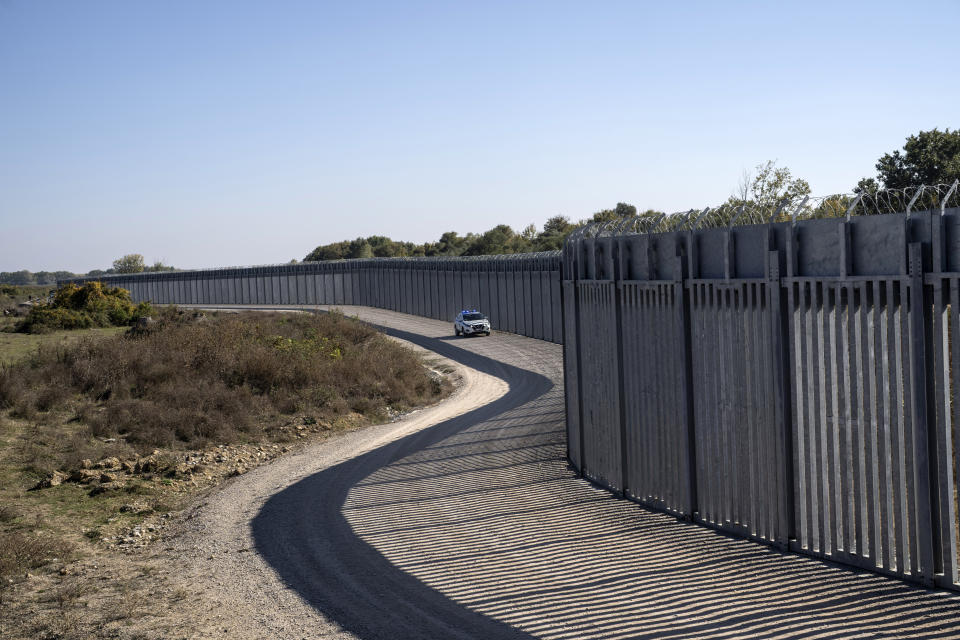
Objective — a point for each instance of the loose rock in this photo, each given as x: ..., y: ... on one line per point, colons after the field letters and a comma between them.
x: 108, y: 463
x: 54, y: 479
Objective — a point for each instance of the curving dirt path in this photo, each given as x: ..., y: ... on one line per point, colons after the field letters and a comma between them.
x: 476, y: 528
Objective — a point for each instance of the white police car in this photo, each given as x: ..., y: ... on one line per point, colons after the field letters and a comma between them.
x: 470, y: 323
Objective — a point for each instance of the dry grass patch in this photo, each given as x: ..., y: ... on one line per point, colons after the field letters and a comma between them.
x: 194, y: 380
x: 101, y: 437
x: 19, y: 346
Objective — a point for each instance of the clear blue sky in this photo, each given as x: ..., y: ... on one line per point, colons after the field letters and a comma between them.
x: 214, y: 133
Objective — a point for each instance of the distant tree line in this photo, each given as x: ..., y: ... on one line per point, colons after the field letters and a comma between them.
x: 24, y: 277
x: 130, y: 263
x: 930, y: 157
x: 499, y: 240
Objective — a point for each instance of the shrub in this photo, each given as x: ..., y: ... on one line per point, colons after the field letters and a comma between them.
x: 192, y: 380
x: 76, y: 307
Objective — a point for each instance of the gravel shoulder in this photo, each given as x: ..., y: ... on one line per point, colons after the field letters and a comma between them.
x: 239, y: 594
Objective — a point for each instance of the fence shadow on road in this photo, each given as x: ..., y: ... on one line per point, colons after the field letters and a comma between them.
x: 478, y: 528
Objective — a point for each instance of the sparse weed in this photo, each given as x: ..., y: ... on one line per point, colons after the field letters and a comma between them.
x: 179, y: 594
x: 68, y: 591
x: 128, y: 603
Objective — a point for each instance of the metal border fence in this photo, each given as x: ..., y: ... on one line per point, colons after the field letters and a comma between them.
x: 517, y: 291
x: 791, y: 382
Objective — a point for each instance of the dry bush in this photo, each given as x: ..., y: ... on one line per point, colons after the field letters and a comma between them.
x: 10, y: 387
x: 192, y: 380
x: 68, y: 591
x: 9, y: 513
x: 38, y: 456
x: 80, y: 446
x: 20, y: 552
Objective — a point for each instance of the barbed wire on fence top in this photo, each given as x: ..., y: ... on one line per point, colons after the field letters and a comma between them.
x: 938, y: 198
x: 295, y: 266
x: 731, y: 213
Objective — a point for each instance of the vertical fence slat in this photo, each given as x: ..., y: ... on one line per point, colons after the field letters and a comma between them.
x: 882, y: 336
x: 952, y: 433
x: 752, y: 421
x: 897, y: 514
x: 851, y: 459
x: 810, y: 421
x: 836, y: 448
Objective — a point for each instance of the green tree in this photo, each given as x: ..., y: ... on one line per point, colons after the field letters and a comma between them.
x: 130, y: 263
x: 493, y: 242
x: 450, y: 244
x: 622, y: 210
x: 23, y: 277
x: 383, y: 247
x: 557, y: 225
x: 63, y: 275
x: 359, y: 248
x: 770, y: 186
x: 761, y: 194
x: 555, y: 232
x: 867, y: 186
x: 160, y: 266
x: 332, y: 251
x: 930, y: 157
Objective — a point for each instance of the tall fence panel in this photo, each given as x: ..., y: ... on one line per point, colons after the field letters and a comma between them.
x: 853, y: 429
x: 737, y: 443
x: 862, y: 484
x: 602, y: 457
x: 791, y: 382
x: 652, y: 346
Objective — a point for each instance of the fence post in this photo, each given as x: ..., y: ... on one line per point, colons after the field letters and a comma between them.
x: 786, y: 520
x: 563, y: 351
x: 581, y: 439
x: 924, y: 441
x: 622, y: 410
x: 682, y: 318
x: 570, y: 273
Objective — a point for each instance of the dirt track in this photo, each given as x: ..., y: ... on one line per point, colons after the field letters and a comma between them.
x: 476, y: 528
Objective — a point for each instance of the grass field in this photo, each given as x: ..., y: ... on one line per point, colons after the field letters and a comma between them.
x: 17, y: 346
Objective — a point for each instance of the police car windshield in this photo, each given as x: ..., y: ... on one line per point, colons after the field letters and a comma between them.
x: 473, y: 316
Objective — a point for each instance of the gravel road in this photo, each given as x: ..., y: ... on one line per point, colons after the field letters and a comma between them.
x: 464, y: 521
